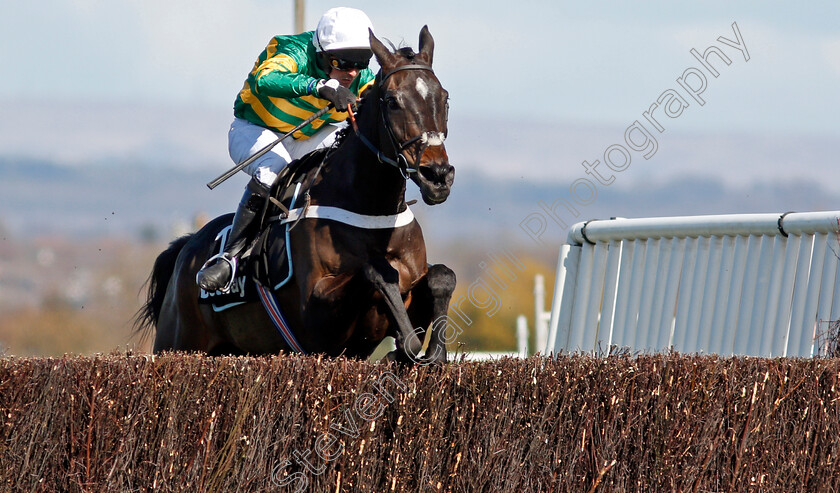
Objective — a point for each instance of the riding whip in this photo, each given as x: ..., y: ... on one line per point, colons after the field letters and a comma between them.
x: 227, y: 174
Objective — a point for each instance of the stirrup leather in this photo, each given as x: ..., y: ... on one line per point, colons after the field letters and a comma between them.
x: 232, y: 263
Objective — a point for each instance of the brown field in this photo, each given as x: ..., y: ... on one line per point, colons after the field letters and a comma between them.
x: 63, y: 296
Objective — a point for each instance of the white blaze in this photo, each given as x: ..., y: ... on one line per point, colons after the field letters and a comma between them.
x: 422, y: 88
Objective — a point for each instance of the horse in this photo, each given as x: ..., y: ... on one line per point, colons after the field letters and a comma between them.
x: 353, y: 283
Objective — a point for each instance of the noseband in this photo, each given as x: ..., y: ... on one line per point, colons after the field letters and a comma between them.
x: 425, y: 138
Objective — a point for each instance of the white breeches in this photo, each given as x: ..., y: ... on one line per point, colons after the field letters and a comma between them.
x: 246, y: 138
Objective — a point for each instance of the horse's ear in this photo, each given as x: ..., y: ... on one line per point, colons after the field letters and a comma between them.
x: 427, y: 44
x: 382, y: 53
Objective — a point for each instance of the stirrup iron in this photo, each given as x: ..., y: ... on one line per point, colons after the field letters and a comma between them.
x: 232, y: 263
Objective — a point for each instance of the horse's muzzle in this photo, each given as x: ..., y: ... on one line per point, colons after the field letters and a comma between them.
x: 435, y: 181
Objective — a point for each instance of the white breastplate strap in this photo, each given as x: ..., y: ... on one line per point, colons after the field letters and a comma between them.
x: 358, y: 220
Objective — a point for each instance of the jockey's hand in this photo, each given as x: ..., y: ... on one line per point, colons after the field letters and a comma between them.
x: 337, y: 94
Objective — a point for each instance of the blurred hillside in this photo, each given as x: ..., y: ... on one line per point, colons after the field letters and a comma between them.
x: 155, y: 202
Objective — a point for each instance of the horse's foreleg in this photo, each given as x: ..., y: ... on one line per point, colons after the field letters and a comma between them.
x: 385, y: 279
x: 441, y: 284
x: 429, y: 306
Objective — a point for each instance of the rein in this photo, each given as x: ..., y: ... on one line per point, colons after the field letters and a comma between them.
x: 401, y: 163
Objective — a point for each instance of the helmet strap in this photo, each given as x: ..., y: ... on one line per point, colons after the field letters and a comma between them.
x: 322, y: 60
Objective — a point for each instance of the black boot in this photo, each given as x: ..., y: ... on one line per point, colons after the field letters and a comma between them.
x: 218, y: 272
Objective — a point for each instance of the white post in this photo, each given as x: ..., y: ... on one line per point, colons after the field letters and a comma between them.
x: 565, y: 282
x: 540, y: 321
x: 300, y: 9
x: 522, y: 335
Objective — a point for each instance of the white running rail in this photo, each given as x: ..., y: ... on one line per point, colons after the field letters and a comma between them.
x: 746, y: 284
x: 521, y: 346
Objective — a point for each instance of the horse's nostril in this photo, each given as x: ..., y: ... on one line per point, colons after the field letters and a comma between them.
x: 436, y: 173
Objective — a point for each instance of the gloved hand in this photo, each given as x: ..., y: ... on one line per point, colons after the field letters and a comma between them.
x: 337, y: 94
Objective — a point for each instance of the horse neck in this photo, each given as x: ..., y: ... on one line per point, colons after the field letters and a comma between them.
x: 361, y: 183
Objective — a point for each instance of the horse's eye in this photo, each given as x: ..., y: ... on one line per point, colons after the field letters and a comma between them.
x: 392, y: 103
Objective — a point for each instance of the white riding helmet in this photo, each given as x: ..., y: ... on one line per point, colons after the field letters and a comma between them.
x: 342, y: 28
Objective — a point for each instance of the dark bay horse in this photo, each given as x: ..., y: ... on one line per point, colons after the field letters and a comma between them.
x: 353, y: 283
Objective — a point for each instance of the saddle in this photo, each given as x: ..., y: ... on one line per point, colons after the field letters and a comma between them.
x: 267, y: 259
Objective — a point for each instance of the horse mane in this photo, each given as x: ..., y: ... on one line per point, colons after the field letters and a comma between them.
x: 406, y: 52
x: 344, y: 132
x: 402, y: 50
x: 363, y: 101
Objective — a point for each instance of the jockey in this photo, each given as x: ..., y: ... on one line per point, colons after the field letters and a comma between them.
x: 293, y: 78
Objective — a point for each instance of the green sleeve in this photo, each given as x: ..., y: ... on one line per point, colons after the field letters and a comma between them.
x: 285, y: 84
x: 288, y: 73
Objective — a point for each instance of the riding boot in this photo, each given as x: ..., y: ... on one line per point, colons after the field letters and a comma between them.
x: 219, y: 271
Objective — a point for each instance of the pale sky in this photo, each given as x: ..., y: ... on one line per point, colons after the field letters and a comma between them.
x: 589, y: 61
x: 538, y: 63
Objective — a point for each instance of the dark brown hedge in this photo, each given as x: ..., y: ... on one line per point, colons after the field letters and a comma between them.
x: 646, y: 423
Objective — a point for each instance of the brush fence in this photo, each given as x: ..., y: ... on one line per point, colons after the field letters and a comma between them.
x: 747, y: 284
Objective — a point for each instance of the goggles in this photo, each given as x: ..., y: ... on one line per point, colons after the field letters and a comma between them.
x: 345, y: 65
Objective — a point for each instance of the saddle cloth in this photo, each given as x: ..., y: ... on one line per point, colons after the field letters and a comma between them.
x: 254, y: 268
x: 248, y: 287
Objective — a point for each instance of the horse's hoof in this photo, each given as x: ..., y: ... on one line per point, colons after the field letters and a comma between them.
x: 399, y: 357
x: 413, y: 347
x: 427, y: 360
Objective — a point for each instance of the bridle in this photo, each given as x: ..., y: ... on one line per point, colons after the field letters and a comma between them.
x: 425, y: 138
